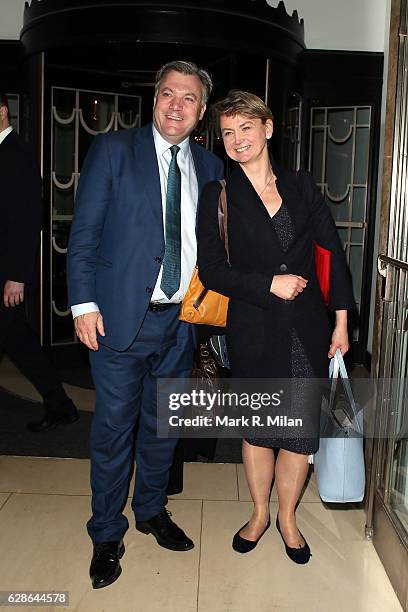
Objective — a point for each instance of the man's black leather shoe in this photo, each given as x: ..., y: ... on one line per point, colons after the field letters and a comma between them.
x: 166, y: 532
x: 105, y: 567
x: 51, y: 420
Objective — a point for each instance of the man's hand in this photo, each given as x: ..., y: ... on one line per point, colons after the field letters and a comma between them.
x: 287, y: 286
x: 13, y: 293
x: 86, y: 326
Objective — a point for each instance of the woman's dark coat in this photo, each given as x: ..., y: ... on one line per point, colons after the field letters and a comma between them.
x: 259, y: 325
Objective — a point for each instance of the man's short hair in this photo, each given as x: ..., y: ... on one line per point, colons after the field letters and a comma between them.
x: 186, y: 68
x: 4, y: 101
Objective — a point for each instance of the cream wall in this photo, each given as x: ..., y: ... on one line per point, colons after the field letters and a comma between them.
x: 11, y: 19
x: 351, y: 25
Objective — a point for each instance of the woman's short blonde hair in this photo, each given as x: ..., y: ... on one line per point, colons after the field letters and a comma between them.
x: 238, y: 102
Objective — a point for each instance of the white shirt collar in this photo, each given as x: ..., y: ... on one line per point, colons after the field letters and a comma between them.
x: 162, y: 145
x: 5, y: 133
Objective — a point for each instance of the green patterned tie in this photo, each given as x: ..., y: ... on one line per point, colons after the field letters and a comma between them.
x: 170, y: 281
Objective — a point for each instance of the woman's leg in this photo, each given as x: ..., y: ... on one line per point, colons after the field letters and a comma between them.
x: 259, y: 467
x: 290, y: 474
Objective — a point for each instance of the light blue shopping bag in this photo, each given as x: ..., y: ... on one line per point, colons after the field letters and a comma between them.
x: 339, y: 462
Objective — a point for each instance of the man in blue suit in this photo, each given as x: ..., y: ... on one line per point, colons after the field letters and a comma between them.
x: 131, y: 255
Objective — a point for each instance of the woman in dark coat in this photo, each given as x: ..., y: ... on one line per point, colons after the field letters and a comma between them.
x: 277, y: 323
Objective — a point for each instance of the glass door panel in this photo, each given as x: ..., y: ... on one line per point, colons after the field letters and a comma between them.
x: 396, y: 460
x: 392, y: 405
x: 399, y: 483
x: 292, y: 130
x: 339, y: 162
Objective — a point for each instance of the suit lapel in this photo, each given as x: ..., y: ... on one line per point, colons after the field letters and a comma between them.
x: 201, y: 170
x: 147, y: 167
x: 199, y: 166
x: 9, y: 141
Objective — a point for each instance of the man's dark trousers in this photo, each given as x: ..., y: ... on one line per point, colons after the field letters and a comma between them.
x: 126, y: 392
x: 23, y: 347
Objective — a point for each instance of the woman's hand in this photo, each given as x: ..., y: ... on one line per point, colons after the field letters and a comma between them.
x: 287, y: 286
x: 340, y: 334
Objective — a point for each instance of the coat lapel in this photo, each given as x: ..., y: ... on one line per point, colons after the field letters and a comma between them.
x: 287, y: 187
x: 242, y: 197
x: 247, y: 201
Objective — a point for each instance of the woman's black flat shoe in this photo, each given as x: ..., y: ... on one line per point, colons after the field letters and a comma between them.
x: 241, y: 545
x: 298, y: 555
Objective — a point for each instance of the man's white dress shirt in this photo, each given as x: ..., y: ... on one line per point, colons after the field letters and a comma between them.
x: 6, y: 132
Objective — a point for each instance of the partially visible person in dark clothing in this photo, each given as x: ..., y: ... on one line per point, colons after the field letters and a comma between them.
x: 20, y: 210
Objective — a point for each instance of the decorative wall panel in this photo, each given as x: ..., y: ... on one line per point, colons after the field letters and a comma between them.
x: 77, y: 117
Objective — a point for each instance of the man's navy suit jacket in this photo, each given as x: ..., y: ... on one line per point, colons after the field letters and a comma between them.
x: 117, y: 239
